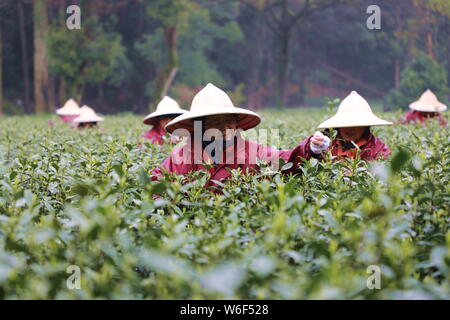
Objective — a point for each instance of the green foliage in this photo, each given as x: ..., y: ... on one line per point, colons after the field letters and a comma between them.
x: 86, y: 56
x: 197, y: 45
x: 85, y: 199
x: 422, y: 74
x: 195, y: 49
x: 238, y: 96
x: 173, y: 13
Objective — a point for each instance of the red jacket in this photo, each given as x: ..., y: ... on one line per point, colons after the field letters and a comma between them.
x: 67, y: 119
x: 373, y: 149
x: 417, y: 116
x: 155, y: 135
x: 243, y: 154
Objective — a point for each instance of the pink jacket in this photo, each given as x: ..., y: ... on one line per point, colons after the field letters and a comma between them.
x: 417, y: 116
x: 67, y: 119
x: 244, y: 155
x: 155, y: 135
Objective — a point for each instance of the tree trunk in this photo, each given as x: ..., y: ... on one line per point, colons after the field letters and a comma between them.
x: 430, y: 44
x: 283, y: 63
x: 51, y: 94
x: 25, y: 67
x: 253, y: 83
x: 40, y: 22
x: 167, y: 75
x: 61, y: 91
x: 397, y: 73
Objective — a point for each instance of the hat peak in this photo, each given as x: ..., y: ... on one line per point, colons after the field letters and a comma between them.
x: 210, y: 97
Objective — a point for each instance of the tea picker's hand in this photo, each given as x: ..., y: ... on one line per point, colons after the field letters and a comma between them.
x: 319, y: 142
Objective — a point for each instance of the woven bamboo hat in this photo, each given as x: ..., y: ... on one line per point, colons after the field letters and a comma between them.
x: 428, y: 102
x: 70, y: 108
x: 87, y: 115
x: 166, y: 107
x: 354, y: 111
x: 211, y: 101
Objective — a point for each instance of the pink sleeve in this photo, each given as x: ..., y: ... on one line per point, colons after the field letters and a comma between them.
x: 380, y: 151
x: 295, y: 155
x: 166, y: 166
x: 404, y: 119
x: 442, y: 120
x: 269, y: 154
x: 174, y: 163
x: 385, y: 152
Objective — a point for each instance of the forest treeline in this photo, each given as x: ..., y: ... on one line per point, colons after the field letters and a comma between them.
x: 130, y: 53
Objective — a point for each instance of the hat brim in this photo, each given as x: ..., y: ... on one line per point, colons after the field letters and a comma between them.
x: 153, y: 117
x: 418, y: 107
x: 84, y: 120
x: 62, y: 112
x: 246, y: 119
x: 341, y: 122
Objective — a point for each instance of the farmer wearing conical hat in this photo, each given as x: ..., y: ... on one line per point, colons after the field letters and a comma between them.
x: 428, y: 106
x: 87, y: 118
x: 213, y: 127
x: 352, y: 121
x: 167, y: 110
x: 69, y: 111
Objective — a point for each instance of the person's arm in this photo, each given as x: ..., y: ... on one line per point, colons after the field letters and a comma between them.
x: 312, y: 147
x: 442, y: 120
x: 166, y: 165
x: 384, y: 152
x: 379, y: 151
x: 405, y: 118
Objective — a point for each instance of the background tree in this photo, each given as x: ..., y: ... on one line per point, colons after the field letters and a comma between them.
x: 174, y: 17
x: 264, y: 52
x: 1, y: 70
x: 24, y: 55
x: 40, y: 56
x: 422, y: 74
x: 86, y: 56
x: 282, y: 16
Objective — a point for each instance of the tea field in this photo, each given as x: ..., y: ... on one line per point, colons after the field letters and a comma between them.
x: 84, y: 199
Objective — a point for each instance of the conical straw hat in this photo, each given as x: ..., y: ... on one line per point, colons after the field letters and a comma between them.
x: 428, y: 102
x: 87, y: 115
x: 211, y: 101
x: 70, y: 108
x: 354, y: 111
x: 166, y: 107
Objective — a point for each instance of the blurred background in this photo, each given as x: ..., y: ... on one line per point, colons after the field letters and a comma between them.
x: 265, y: 53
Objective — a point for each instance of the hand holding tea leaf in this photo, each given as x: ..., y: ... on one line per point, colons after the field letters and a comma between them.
x: 319, y: 142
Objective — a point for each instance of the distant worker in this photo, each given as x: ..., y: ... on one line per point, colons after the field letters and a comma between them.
x: 69, y: 111
x: 427, y: 107
x: 167, y: 110
x: 87, y: 118
x: 352, y: 120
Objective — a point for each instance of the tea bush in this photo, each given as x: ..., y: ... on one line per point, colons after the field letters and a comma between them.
x: 85, y: 199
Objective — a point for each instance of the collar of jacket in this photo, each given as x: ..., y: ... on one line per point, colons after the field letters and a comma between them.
x: 348, y: 145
